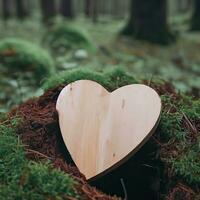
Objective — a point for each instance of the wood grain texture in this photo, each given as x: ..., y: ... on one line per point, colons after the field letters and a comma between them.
x: 101, y: 129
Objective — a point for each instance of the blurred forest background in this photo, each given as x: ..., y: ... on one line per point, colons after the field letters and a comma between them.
x: 147, y: 38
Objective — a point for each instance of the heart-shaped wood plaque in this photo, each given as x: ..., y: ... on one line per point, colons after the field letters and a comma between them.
x: 102, y: 130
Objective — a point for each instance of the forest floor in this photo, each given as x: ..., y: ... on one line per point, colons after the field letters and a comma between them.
x: 177, y: 63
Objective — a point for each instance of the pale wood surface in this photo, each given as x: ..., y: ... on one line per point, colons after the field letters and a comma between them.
x: 101, y: 129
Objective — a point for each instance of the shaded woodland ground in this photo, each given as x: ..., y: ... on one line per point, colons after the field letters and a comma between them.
x: 177, y: 63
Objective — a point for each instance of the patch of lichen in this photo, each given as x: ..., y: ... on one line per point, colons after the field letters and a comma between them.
x: 20, y: 55
x: 22, y: 179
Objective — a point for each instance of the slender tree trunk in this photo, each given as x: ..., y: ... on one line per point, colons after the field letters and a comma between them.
x: 87, y: 7
x: 94, y: 10
x: 91, y: 9
x: 22, y: 8
x: 48, y: 8
x: 66, y: 8
x: 148, y: 21
x: 195, y: 23
x: 116, y: 8
x: 6, y: 9
x: 182, y: 5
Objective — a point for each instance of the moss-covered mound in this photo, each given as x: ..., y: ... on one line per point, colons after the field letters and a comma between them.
x: 21, y: 178
x: 166, y: 167
x: 21, y: 55
x: 63, y: 38
x: 111, y: 79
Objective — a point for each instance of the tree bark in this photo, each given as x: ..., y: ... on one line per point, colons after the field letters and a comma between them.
x: 116, y: 8
x: 87, y: 7
x: 66, y: 8
x: 195, y: 22
x: 148, y: 21
x: 6, y: 9
x: 91, y: 9
x: 48, y: 10
x: 22, y: 8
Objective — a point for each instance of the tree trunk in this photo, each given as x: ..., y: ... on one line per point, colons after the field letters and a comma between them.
x: 66, y: 8
x: 48, y: 10
x: 6, y: 9
x: 195, y: 23
x: 94, y: 10
x: 87, y: 7
x: 91, y: 9
x: 116, y: 8
x: 148, y: 21
x: 22, y: 8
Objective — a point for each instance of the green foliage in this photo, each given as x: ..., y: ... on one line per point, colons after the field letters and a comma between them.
x: 22, y: 179
x: 111, y: 79
x: 19, y: 54
x: 62, y: 38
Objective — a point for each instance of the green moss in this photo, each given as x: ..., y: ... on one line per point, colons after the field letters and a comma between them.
x: 188, y: 164
x: 11, y: 156
x: 22, y: 179
x: 111, y: 79
x: 62, y: 38
x: 19, y: 54
x: 118, y: 77
x: 182, y: 143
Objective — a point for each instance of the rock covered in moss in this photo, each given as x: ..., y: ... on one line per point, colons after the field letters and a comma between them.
x: 18, y: 54
x: 63, y: 38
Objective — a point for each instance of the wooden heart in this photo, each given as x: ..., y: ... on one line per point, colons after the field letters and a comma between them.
x: 102, y: 130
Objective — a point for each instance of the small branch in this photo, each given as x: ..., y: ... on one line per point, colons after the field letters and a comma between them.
x: 124, y: 189
x: 190, y: 123
x: 36, y: 152
x: 185, y: 188
x: 150, y: 80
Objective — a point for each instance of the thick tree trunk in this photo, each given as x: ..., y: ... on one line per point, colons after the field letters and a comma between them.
x: 195, y: 23
x: 66, y: 8
x: 48, y: 10
x: 22, y: 8
x: 6, y: 9
x: 148, y: 21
